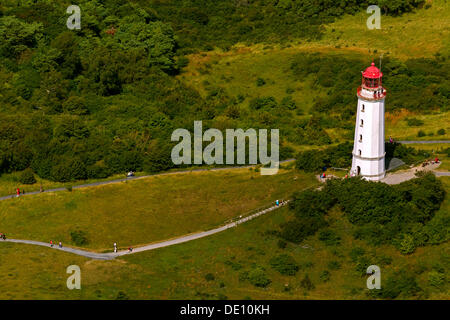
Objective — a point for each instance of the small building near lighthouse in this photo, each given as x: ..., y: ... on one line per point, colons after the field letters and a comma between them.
x: 368, y: 148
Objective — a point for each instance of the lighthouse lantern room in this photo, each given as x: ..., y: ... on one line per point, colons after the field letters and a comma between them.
x: 368, y: 148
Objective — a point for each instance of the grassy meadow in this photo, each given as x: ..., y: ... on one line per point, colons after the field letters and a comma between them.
x: 146, y: 210
x: 211, y: 268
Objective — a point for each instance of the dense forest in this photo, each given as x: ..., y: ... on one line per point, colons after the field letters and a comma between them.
x: 88, y: 103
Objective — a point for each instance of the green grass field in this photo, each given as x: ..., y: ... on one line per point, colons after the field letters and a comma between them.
x: 146, y: 210
x: 179, y: 272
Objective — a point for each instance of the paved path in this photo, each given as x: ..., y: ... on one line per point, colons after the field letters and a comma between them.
x: 401, y: 176
x: 100, y: 183
x: 430, y: 141
x: 171, y: 242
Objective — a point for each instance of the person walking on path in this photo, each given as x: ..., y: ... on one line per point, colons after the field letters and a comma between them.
x: 115, y: 247
x: 51, y: 243
x: 18, y: 192
x: 60, y: 244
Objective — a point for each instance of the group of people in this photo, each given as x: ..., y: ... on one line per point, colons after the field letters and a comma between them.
x: 2, y: 236
x: 428, y: 162
x: 52, y: 244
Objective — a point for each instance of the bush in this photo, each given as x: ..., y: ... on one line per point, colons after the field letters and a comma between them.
x: 405, y: 244
x: 209, y: 277
x: 334, y: 265
x: 27, y: 177
x: 281, y: 244
x: 284, y: 264
x: 306, y: 283
x: 329, y: 237
x: 421, y: 133
x: 413, y: 122
x: 79, y: 237
x: 441, y: 132
x: 260, y: 82
x: 325, y: 276
x: 436, y: 279
x: 257, y: 276
x: 401, y: 284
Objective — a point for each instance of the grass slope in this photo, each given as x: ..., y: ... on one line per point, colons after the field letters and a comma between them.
x: 179, y: 272
x: 146, y: 210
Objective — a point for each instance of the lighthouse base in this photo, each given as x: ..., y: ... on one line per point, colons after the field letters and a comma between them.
x: 368, y: 169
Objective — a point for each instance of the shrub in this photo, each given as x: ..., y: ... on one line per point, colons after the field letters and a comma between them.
x: 306, y: 283
x: 122, y: 296
x: 329, y: 237
x: 436, y: 279
x: 257, y: 276
x: 79, y: 237
x: 260, y: 82
x: 334, y: 265
x: 401, y: 284
x: 281, y: 244
x: 413, y: 122
x: 421, y: 133
x: 209, y: 277
x: 27, y: 177
x: 441, y: 132
x: 325, y: 276
x: 405, y: 244
x: 284, y: 264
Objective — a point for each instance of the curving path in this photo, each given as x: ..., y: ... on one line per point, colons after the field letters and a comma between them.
x: 152, y: 246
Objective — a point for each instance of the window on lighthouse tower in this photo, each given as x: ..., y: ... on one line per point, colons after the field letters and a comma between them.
x: 362, y: 123
x: 360, y: 138
x: 363, y: 108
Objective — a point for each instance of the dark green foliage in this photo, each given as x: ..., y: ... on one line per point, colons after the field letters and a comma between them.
x: 27, y: 177
x: 413, y: 122
x: 281, y: 244
x: 257, y: 276
x: 334, y: 265
x: 339, y: 156
x: 402, y: 215
x: 329, y: 237
x: 260, y: 82
x: 79, y: 237
x: 441, y: 132
x: 409, y: 155
x: 421, y: 133
x: 401, y: 285
x: 306, y: 283
x: 284, y: 264
x: 325, y: 276
x: 209, y: 277
x: 122, y: 296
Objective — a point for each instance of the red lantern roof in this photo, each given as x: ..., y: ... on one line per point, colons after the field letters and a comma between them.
x: 372, y: 72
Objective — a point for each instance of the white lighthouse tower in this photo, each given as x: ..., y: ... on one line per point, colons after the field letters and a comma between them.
x: 368, y: 148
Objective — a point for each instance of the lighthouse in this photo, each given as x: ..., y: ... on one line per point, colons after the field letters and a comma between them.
x: 368, y: 148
